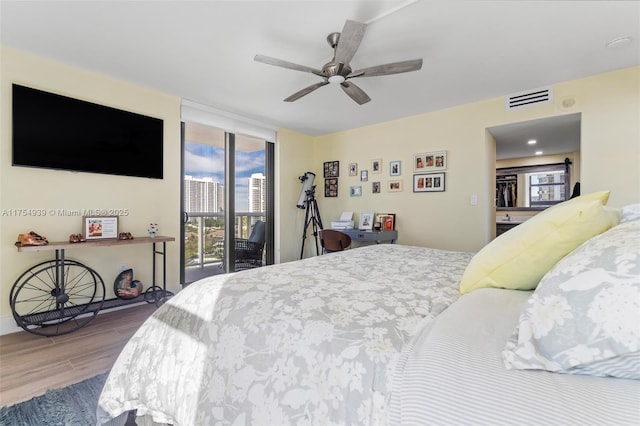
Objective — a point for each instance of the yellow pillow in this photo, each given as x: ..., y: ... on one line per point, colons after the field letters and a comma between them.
x: 518, y: 259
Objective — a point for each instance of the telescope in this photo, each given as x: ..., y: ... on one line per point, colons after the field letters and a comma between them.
x: 307, y: 186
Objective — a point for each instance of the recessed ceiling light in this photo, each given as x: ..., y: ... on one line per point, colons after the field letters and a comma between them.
x: 538, y: 152
x: 532, y: 142
x: 619, y: 42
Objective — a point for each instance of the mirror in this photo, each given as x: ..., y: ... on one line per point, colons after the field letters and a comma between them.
x: 534, y: 176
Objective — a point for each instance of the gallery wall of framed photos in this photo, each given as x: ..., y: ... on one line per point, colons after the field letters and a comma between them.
x: 386, y: 176
x: 377, y: 176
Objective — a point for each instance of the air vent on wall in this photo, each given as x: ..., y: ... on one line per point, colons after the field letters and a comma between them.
x: 528, y: 98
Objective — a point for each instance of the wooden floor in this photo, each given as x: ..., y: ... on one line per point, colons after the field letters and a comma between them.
x: 31, y: 364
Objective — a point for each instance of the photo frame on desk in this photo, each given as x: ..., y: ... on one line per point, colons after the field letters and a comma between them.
x: 366, y: 221
x: 100, y: 227
x: 387, y: 221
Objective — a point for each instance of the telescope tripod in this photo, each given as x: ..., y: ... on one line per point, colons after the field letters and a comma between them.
x: 311, y: 217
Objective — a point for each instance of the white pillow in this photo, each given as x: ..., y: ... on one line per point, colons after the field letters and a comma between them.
x: 584, y: 316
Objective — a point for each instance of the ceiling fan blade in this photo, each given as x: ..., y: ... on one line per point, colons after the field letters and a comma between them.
x: 349, y: 41
x: 305, y: 91
x: 285, y: 64
x: 386, y: 69
x: 356, y: 93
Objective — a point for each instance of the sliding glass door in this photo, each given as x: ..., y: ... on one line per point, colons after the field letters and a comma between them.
x: 226, y: 192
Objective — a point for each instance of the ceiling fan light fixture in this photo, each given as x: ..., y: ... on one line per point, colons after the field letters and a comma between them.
x: 338, y: 70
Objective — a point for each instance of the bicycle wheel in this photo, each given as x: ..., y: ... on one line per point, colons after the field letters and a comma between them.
x: 54, y: 298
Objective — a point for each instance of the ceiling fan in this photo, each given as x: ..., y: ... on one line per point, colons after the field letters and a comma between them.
x: 338, y: 70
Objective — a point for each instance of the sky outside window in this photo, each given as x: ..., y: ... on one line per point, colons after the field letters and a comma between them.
x: 206, y: 161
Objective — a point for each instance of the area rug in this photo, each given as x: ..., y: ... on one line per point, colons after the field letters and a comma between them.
x: 74, y: 405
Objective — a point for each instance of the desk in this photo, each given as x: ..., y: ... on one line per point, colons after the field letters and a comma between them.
x: 371, y: 236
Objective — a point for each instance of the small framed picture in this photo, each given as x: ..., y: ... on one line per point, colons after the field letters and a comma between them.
x: 394, y: 185
x: 331, y: 169
x: 375, y: 187
x: 428, y: 182
x: 366, y: 221
x: 364, y: 175
x: 430, y: 161
x: 376, y: 166
x: 355, y: 191
x: 387, y: 221
x: 100, y: 227
x: 353, y: 169
x: 331, y: 187
x: 394, y: 168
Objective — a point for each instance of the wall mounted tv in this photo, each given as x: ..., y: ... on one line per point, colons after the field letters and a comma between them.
x: 57, y: 132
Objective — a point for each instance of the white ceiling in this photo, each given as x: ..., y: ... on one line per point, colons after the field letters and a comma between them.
x: 203, y: 50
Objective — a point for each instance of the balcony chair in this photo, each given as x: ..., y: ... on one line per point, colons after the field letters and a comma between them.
x: 249, y: 251
x: 332, y: 240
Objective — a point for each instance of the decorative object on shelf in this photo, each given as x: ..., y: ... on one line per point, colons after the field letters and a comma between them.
x: 100, y: 227
x: 394, y: 168
x: 375, y: 187
x: 376, y: 166
x: 355, y: 191
x: 428, y: 182
x: 31, y: 239
x: 331, y: 187
x: 366, y: 221
x: 76, y: 238
x: 125, y: 236
x: 331, y: 169
x: 125, y: 287
x: 364, y: 175
x: 353, y: 169
x: 394, y: 185
x: 430, y: 161
x: 387, y: 221
x: 153, y: 230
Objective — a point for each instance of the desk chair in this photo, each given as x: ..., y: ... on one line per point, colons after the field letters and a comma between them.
x: 332, y: 240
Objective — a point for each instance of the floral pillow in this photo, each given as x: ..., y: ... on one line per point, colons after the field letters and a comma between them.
x: 630, y: 212
x: 584, y: 316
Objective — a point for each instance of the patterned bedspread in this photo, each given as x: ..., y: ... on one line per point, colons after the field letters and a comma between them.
x: 307, y: 342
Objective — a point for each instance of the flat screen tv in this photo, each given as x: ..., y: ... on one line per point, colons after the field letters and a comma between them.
x: 57, y: 132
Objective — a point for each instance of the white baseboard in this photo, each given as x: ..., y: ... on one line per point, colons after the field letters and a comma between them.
x: 8, y: 324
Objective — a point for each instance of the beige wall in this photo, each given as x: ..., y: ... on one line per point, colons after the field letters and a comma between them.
x: 610, y: 158
x: 294, y: 153
x: 148, y: 200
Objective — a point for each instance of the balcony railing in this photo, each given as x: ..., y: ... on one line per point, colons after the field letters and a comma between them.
x: 204, y: 236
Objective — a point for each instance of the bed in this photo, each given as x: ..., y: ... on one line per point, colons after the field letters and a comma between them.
x: 380, y: 335
x: 307, y: 342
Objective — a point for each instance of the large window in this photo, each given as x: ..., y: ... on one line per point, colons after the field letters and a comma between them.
x: 212, y: 215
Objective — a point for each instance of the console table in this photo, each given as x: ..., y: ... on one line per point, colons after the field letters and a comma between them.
x: 59, y: 296
x: 371, y: 236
